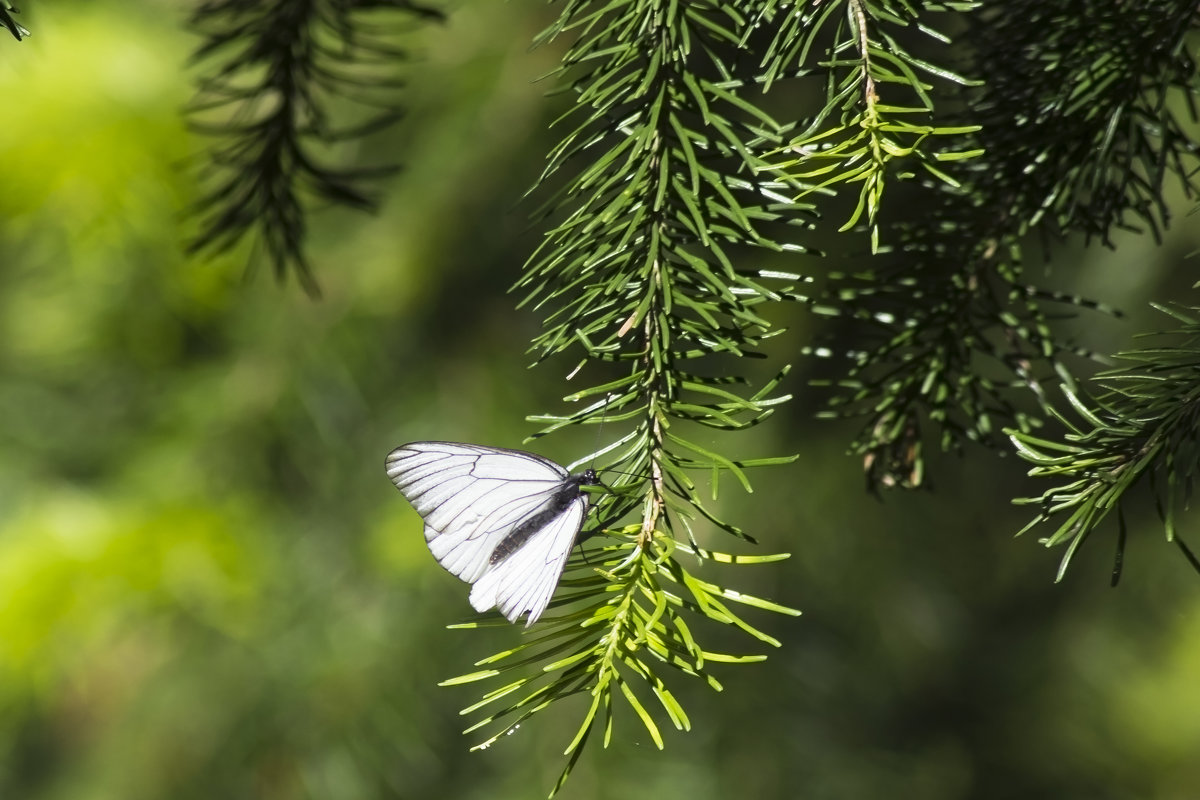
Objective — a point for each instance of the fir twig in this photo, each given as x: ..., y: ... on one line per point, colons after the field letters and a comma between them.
x: 865, y: 132
x: 622, y: 623
x: 1143, y: 426
x: 278, y: 69
x: 643, y: 278
x: 1082, y: 113
x: 1074, y: 134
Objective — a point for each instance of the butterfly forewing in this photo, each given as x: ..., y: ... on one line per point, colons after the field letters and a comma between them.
x: 467, y: 507
x: 503, y: 520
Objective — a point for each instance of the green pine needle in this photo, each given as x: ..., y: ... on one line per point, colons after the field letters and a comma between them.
x: 626, y: 632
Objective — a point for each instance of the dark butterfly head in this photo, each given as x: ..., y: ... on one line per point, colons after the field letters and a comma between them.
x: 588, y: 478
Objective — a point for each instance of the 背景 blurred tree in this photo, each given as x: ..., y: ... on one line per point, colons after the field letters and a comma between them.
x: 714, y: 149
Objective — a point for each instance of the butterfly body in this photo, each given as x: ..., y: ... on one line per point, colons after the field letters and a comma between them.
x: 502, y: 520
x: 568, y: 493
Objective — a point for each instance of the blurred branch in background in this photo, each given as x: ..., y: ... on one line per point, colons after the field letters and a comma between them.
x: 278, y: 74
x: 1087, y: 112
x: 1073, y: 124
x: 6, y: 19
x: 1090, y: 118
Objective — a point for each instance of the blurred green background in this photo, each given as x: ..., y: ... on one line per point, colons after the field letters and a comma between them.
x: 209, y: 588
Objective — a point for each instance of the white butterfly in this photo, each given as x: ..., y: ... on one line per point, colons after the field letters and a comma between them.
x: 502, y: 520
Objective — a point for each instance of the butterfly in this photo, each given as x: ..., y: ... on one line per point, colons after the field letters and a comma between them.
x: 502, y: 520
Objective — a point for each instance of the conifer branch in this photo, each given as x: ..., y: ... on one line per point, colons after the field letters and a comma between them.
x: 629, y: 600
x: 1081, y: 113
x: 955, y: 341
x: 279, y: 66
x: 642, y: 278
x: 864, y: 134
x: 1143, y: 426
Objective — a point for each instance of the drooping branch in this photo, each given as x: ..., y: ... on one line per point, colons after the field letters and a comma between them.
x: 274, y: 72
x: 1070, y: 131
x: 643, y: 278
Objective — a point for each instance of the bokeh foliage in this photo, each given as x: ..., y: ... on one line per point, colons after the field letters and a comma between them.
x: 208, y: 588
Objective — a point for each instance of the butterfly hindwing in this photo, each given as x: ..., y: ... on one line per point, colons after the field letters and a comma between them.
x: 503, y: 520
x: 525, y: 580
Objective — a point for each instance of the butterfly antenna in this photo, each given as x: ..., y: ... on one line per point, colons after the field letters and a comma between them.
x: 595, y: 448
x: 600, y: 427
x: 1119, y: 560
x: 1188, y: 554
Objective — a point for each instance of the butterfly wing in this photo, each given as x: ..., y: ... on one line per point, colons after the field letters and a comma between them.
x: 471, y: 498
x: 525, y: 580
